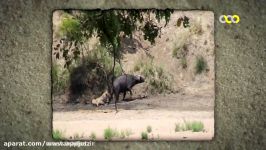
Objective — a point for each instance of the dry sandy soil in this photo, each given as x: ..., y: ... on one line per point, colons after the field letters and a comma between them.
x: 160, y: 112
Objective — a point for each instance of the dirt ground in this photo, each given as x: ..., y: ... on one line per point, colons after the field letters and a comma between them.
x: 160, y: 112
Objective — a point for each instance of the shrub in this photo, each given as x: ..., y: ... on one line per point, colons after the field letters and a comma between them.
x: 102, y: 56
x: 149, y: 129
x: 70, y: 27
x: 188, y: 126
x: 155, y: 76
x: 194, y: 126
x: 201, y: 65
x: 125, y: 133
x: 122, y: 134
x: 180, y: 51
x: 138, y: 66
x: 128, y: 132
x: 148, y: 69
x: 179, y: 127
x: 60, y: 78
x: 197, y: 126
x: 159, y: 85
x: 57, y: 135
x: 93, y: 74
x: 109, y: 133
x: 160, y: 71
x: 144, y: 136
x: 184, y: 63
x: 175, y: 52
x: 93, y: 136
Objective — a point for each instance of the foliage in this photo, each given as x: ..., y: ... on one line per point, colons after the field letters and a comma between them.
x: 194, y: 126
x: 59, y: 78
x: 181, y: 53
x: 122, y: 134
x: 150, y: 32
x: 93, y: 136
x: 71, y: 28
x: 144, y: 136
x: 125, y: 133
x: 155, y: 76
x: 94, y: 73
x: 128, y: 132
x: 185, y: 21
x: 178, y: 127
x: 57, y: 135
x: 107, y: 26
x: 101, y: 56
x: 175, y: 52
x: 201, y: 65
x: 109, y: 133
x: 149, y: 129
x: 183, y: 62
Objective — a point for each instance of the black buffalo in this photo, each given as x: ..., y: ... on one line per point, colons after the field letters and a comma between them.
x: 124, y: 83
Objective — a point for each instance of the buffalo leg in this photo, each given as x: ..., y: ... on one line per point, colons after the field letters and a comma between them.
x: 116, y: 99
x: 130, y: 94
x: 124, y: 95
x: 110, y: 98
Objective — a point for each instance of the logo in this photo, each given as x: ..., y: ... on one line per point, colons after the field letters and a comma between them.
x: 229, y: 19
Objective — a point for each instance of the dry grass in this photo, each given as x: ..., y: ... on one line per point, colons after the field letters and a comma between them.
x: 201, y: 65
